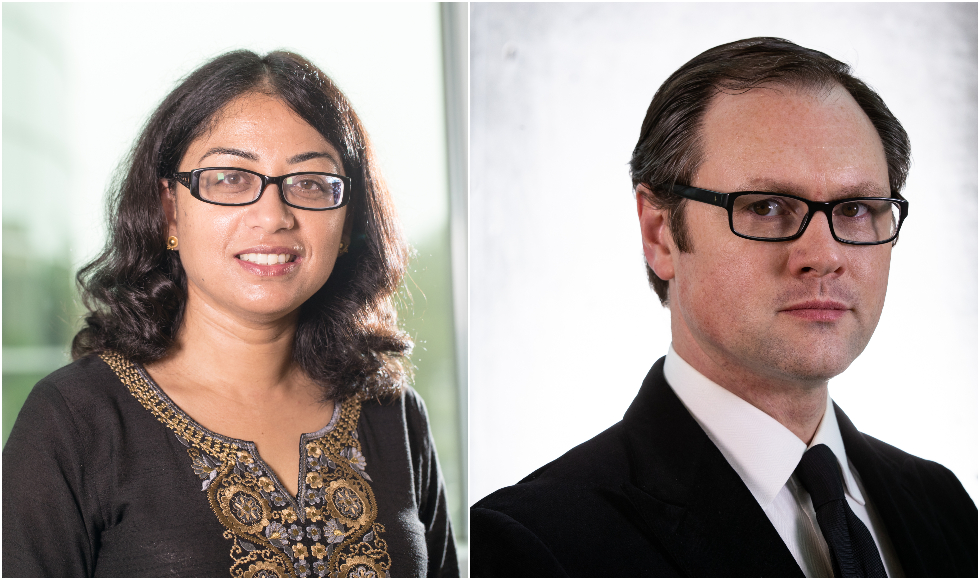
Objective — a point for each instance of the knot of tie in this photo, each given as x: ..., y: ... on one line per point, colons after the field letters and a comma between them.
x: 820, y: 475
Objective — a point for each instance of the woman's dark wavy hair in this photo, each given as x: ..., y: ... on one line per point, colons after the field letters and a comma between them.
x: 670, y: 150
x: 347, y: 338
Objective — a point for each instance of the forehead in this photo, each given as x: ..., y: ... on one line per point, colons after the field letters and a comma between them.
x: 263, y: 125
x: 254, y: 113
x: 815, y: 141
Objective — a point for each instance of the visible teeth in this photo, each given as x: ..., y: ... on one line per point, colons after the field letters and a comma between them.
x: 267, y: 259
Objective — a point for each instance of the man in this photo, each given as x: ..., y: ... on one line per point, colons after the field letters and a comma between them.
x: 768, y: 185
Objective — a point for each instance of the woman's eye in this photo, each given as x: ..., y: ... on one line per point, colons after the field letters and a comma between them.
x: 226, y: 178
x: 309, y: 185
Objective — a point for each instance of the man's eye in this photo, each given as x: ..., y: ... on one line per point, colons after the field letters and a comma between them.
x: 766, y: 207
x: 853, y: 209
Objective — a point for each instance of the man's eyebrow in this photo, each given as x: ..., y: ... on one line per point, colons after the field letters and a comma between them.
x: 862, y: 189
x: 229, y: 151
x: 312, y: 155
x: 865, y: 189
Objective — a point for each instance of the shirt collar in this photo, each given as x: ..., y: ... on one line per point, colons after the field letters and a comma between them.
x: 761, y: 450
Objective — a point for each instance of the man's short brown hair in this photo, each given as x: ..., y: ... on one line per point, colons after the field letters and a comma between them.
x: 669, y: 149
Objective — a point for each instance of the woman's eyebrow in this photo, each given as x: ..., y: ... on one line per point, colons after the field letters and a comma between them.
x: 228, y: 151
x: 312, y: 155
x: 253, y: 157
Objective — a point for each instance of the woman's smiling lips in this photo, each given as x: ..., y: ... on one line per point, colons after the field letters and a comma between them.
x: 817, y: 310
x: 269, y: 260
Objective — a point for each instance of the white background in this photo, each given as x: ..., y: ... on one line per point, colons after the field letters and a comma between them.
x: 563, y: 324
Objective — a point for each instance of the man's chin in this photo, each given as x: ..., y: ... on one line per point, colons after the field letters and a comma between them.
x: 808, y: 362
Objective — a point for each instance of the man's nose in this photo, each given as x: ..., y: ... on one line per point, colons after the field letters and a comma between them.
x: 816, y: 253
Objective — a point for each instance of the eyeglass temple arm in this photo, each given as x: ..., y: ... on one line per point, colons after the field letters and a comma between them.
x: 183, y: 178
x: 703, y: 195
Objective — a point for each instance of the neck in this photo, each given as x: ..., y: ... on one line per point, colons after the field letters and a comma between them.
x: 797, y: 405
x: 247, y: 359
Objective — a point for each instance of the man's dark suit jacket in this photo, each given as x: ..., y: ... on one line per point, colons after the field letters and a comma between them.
x: 653, y: 496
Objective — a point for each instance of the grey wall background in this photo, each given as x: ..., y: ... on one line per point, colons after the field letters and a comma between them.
x: 563, y: 324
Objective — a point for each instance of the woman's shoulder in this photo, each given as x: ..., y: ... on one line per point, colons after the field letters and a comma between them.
x: 398, y: 416
x: 86, y: 369
x: 84, y: 396
x: 84, y: 382
x: 406, y: 402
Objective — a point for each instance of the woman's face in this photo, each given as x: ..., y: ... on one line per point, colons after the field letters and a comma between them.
x: 225, y: 250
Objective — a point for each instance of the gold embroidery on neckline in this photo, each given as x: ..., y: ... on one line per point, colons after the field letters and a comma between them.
x: 335, y: 534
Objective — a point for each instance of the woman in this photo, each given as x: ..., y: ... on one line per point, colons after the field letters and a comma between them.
x: 239, y: 400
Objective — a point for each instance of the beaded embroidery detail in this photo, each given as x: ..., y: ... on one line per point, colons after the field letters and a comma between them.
x: 329, y: 529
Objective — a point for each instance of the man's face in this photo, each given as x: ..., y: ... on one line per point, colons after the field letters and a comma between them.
x: 798, y: 311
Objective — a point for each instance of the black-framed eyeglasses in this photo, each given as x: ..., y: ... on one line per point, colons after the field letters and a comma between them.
x: 233, y: 186
x: 771, y: 217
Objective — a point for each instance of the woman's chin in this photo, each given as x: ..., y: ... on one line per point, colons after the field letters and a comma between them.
x: 270, y: 311
x: 263, y: 310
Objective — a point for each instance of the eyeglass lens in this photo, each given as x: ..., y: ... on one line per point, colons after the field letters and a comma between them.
x: 774, y: 216
x: 235, y: 187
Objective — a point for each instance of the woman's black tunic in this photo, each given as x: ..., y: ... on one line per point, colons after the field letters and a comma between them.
x: 104, y: 476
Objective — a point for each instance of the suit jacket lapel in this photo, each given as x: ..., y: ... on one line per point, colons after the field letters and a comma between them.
x: 688, y: 496
x: 892, y: 488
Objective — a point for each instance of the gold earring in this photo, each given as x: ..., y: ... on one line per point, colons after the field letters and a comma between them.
x: 343, y: 247
x: 172, y: 243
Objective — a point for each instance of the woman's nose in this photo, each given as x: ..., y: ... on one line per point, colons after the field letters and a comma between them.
x: 270, y: 212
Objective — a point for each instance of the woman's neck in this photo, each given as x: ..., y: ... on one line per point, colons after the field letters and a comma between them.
x: 237, y: 377
x: 234, y: 357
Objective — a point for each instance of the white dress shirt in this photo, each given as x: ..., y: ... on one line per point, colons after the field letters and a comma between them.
x: 765, y: 454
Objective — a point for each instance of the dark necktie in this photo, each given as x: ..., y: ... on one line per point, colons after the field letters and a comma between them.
x: 852, y: 549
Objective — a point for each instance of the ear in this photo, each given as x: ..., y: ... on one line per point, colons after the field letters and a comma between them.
x: 348, y: 228
x: 658, y: 244
x: 168, y: 199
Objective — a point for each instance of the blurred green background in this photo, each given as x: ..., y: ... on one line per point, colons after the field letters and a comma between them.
x: 80, y: 80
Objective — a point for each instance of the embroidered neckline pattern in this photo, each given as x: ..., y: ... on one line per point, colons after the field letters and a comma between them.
x: 329, y: 529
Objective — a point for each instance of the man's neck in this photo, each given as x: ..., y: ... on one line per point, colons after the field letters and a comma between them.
x: 798, y: 406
